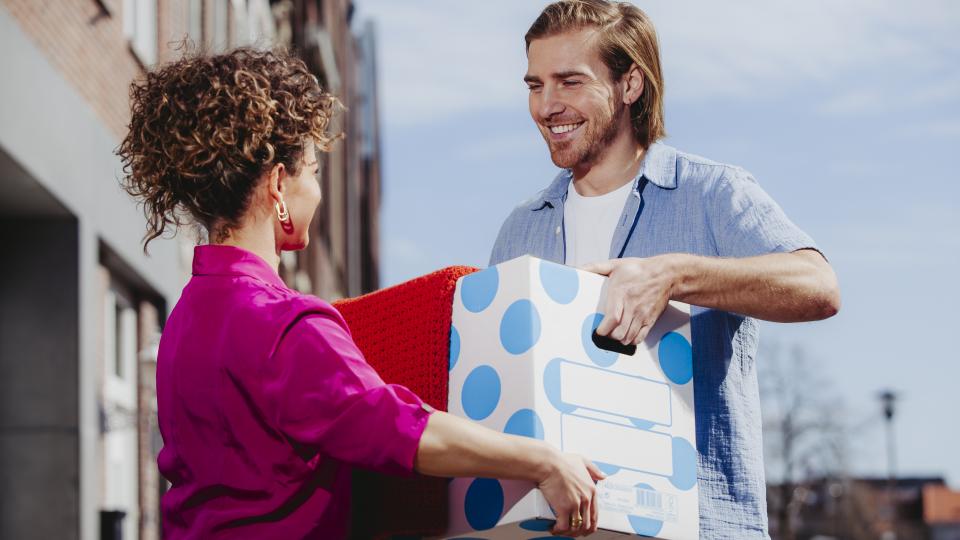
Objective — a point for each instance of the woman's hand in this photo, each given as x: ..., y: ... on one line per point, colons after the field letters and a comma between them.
x: 452, y: 446
x: 570, y: 489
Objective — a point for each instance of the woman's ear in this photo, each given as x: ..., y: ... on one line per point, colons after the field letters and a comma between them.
x: 276, y: 182
x: 633, y: 85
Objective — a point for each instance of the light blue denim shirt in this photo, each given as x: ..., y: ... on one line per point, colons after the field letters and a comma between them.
x: 683, y: 203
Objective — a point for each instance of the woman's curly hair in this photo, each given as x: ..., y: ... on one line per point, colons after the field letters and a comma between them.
x: 205, y: 128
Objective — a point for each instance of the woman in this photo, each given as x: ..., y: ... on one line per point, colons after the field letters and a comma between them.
x: 264, y: 400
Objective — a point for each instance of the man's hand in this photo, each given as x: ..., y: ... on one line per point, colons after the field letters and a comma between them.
x: 637, y: 293
x: 779, y: 287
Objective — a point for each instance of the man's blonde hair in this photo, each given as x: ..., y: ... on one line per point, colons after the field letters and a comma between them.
x: 626, y: 37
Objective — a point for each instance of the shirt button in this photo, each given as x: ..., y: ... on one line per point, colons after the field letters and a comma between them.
x: 558, y: 230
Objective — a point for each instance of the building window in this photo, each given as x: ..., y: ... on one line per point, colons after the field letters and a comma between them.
x: 122, y: 336
x: 238, y: 23
x: 140, y: 28
x: 120, y: 347
x: 195, y: 20
x: 221, y: 25
x: 119, y: 405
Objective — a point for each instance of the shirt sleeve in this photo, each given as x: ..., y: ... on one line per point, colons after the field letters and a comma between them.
x: 499, y: 252
x: 747, y: 222
x: 322, y: 393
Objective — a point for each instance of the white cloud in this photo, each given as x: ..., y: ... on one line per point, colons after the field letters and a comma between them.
x: 752, y: 48
x: 908, y: 95
x: 440, y: 58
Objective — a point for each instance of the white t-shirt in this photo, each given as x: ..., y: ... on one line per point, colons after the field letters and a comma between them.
x: 589, y: 224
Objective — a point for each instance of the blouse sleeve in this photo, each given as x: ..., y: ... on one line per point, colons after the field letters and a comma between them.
x: 321, y: 392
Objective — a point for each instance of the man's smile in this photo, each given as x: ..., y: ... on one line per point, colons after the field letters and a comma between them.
x: 564, y: 131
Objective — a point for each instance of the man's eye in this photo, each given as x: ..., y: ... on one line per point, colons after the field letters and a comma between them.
x: 569, y: 84
x: 533, y: 87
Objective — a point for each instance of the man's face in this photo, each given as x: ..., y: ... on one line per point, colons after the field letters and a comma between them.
x: 573, y: 99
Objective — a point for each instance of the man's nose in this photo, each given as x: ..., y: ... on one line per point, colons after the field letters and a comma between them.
x: 549, y: 104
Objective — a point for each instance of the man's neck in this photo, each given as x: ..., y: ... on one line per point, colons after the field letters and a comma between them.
x: 617, y: 165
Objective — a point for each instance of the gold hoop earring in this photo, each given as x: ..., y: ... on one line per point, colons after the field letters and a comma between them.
x: 282, y: 213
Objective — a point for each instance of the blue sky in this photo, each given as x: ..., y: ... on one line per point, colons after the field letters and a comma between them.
x: 847, y: 113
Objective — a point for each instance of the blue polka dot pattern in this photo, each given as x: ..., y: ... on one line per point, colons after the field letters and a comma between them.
x: 599, y: 356
x: 520, y: 327
x: 551, y: 386
x: 607, y: 468
x: 644, y: 526
x: 641, y: 424
x: 483, y: 504
x: 526, y: 423
x: 676, y: 358
x: 454, y: 346
x: 560, y: 282
x: 684, y: 464
x: 481, y: 392
x: 478, y: 290
x: 537, y: 524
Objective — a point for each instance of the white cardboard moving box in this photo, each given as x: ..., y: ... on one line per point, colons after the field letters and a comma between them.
x: 524, y: 360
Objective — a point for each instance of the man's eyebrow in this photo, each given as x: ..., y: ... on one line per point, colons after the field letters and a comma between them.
x: 569, y: 73
x: 559, y: 75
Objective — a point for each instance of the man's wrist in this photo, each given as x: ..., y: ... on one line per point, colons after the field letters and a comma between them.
x: 679, y: 267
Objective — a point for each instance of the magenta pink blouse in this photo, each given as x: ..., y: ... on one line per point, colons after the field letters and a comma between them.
x: 265, y: 403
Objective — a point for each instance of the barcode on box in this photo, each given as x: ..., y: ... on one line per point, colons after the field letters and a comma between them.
x: 655, y: 505
x: 649, y: 499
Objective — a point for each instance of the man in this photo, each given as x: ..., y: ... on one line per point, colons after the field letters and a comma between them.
x: 663, y: 225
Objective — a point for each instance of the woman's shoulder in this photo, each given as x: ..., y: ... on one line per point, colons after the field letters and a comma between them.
x: 279, y: 313
x: 290, y: 306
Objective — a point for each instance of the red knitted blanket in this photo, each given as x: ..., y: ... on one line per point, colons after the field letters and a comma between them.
x: 404, y: 333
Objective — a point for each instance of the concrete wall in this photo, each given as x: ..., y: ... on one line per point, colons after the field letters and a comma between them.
x: 61, y: 145
x: 39, y: 347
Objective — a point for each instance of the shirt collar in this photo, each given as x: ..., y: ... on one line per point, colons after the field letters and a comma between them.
x: 659, y: 167
x: 211, y: 260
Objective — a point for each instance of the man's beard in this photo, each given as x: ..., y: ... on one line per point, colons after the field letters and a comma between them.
x: 589, y: 148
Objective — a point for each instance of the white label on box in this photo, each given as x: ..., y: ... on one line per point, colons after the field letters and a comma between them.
x: 638, y: 502
x: 615, y: 393
x: 590, y: 437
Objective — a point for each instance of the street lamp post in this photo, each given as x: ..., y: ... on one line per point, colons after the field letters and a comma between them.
x: 888, y: 399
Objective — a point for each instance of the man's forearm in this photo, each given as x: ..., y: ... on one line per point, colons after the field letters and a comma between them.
x: 780, y: 287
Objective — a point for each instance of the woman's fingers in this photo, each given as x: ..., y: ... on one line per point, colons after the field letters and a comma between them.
x: 572, y: 521
x: 587, y: 515
x: 594, y: 511
x: 572, y: 495
x: 595, y: 473
x: 562, y: 525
